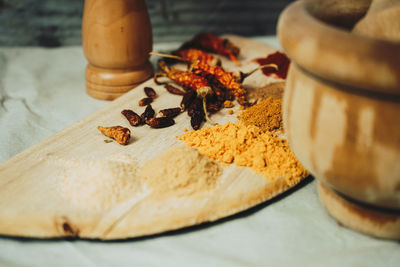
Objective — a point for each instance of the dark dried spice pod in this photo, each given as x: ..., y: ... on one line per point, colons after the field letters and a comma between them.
x: 196, y: 119
x: 150, y: 92
x: 145, y: 101
x: 187, y: 99
x: 218, y: 91
x: 160, y: 122
x: 195, y: 106
x: 170, y: 112
x: 214, y: 104
x: 133, y: 118
x: 214, y: 107
x: 174, y: 90
x: 148, y: 113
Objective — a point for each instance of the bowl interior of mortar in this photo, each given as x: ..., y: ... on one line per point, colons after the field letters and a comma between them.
x: 340, y: 13
x: 317, y: 37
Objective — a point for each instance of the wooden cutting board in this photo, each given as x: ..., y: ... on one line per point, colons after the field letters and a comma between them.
x: 31, y: 207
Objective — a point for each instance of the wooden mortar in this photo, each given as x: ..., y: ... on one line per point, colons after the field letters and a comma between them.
x: 116, y: 39
x: 341, y: 108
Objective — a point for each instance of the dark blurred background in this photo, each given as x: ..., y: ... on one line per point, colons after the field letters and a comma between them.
x: 54, y: 23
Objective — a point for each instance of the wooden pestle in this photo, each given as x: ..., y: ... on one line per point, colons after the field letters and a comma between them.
x: 382, y: 21
x: 116, y: 39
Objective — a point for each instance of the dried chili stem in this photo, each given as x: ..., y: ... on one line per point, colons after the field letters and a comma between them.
x: 203, y: 92
x: 169, y: 56
x: 189, y: 62
x: 158, y: 75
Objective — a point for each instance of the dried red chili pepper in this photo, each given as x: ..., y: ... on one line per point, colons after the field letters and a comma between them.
x: 161, y: 122
x: 280, y: 60
x: 214, y: 44
x: 148, y: 113
x: 195, y: 106
x: 118, y: 133
x: 219, y: 78
x: 191, y: 58
x: 187, y: 99
x: 150, y: 92
x: 193, y: 54
x: 216, y: 74
x: 170, y: 112
x: 173, y: 90
x: 189, y: 80
x: 133, y: 118
x: 183, y: 78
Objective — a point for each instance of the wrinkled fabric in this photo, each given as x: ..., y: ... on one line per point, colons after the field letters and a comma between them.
x: 43, y: 91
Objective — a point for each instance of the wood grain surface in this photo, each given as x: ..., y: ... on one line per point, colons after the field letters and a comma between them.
x: 31, y: 207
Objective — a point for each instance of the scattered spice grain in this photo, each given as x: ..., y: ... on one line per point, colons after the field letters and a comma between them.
x: 228, y: 104
x: 213, y: 44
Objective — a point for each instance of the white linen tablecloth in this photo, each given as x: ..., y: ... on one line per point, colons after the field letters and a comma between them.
x: 43, y: 91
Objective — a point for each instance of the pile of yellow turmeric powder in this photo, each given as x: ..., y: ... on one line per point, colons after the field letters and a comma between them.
x: 248, y: 145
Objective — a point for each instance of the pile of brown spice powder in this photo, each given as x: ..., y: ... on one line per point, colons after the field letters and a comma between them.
x: 274, y: 89
x: 267, y: 115
x: 248, y: 146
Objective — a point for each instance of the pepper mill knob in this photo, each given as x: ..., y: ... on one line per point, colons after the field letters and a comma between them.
x: 116, y: 39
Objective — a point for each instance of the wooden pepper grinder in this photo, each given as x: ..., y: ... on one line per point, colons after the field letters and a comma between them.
x: 116, y: 39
